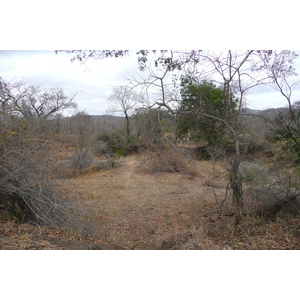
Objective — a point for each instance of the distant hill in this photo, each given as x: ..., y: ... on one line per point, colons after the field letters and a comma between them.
x: 107, y: 121
x: 267, y: 113
x: 274, y: 112
x: 94, y: 122
x: 253, y: 117
x: 252, y: 111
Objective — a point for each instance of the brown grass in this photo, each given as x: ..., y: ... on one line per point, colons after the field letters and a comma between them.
x: 134, y: 210
x: 169, y: 161
x: 130, y: 209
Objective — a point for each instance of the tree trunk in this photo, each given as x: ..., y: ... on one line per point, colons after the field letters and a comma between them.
x: 237, y: 189
x: 127, y: 127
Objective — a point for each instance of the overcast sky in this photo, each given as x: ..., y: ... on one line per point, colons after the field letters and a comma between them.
x: 94, y: 80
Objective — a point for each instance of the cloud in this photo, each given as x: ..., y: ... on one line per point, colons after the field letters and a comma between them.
x: 270, y: 99
x: 92, y: 81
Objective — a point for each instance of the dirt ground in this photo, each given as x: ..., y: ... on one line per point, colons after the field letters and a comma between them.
x: 134, y: 210
x: 126, y: 208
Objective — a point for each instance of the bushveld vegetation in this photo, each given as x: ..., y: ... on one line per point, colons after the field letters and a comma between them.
x: 191, y: 168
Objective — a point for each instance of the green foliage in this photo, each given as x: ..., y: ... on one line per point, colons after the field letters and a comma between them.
x: 18, y: 216
x: 117, y: 142
x: 286, y: 128
x: 204, y: 97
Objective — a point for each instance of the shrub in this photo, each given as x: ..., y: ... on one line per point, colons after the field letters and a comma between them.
x: 252, y: 172
x: 167, y: 160
x: 29, y: 196
x: 209, y: 152
x: 27, y: 192
x: 99, y: 147
x: 113, y: 141
x: 82, y: 159
x: 116, y: 142
x: 269, y: 199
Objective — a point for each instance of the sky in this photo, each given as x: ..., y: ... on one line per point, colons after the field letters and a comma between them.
x: 93, y: 81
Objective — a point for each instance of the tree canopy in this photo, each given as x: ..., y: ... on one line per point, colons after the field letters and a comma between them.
x: 202, y: 97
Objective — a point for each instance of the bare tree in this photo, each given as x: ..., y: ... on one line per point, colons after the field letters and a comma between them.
x: 34, y: 102
x: 26, y: 189
x: 283, y: 76
x: 124, y: 100
x: 279, y: 69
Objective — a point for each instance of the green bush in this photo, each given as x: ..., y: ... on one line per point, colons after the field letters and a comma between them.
x: 114, y: 140
x: 117, y: 142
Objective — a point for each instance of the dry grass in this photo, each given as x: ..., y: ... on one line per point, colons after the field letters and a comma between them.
x: 130, y: 209
x: 169, y: 161
x: 141, y: 211
x: 16, y: 236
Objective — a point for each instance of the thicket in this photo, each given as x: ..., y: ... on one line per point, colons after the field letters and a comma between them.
x: 27, y: 191
x: 149, y: 130
x: 168, y: 160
